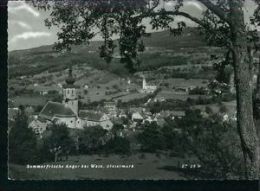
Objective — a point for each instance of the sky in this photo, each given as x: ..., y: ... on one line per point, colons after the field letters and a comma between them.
x: 26, y: 27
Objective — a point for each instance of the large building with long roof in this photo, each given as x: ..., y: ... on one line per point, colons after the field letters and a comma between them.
x: 68, y: 112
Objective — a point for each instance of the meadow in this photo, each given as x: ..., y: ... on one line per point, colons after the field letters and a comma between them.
x: 147, y: 166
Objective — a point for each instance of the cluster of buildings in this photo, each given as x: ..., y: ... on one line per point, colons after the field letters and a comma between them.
x: 69, y: 113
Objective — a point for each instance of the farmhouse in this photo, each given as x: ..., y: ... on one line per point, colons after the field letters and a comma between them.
x: 92, y: 118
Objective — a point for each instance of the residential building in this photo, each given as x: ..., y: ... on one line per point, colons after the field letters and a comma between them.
x: 93, y: 118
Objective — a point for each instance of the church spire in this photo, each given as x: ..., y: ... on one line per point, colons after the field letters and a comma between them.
x: 70, y: 80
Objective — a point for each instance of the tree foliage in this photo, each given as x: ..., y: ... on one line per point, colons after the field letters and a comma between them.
x: 117, y: 145
x: 58, y: 136
x: 151, y: 139
x: 22, y: 142
x: 210, y: 141
x: 91, y: 139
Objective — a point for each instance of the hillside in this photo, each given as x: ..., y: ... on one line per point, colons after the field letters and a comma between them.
x: 36, y: 60
x: 189, y: 39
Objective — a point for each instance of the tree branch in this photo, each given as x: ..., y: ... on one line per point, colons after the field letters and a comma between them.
x: 194, y: 19
x: 173, y: 13
x: 216, y: 10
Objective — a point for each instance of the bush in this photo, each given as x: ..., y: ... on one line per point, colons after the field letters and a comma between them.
x: 223, y: 109
x: 118, y: 145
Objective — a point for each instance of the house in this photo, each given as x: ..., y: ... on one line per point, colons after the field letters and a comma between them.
x: 93, y: 118
x: 38, y: 125
x: 121, y: 114
x: 86, y: 87
x: 137, y: 117
x: 110, y: 108
x: 177, y: 114
x: 12, y: 113
x: 136, y: 109
x: 43, y: 92
x: 149, y: 119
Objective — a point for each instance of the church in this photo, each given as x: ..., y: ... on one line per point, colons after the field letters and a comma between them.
x: 147, y: 88
x: 68, y: 111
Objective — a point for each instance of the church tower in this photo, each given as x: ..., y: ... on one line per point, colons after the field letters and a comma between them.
x: 70, y: 95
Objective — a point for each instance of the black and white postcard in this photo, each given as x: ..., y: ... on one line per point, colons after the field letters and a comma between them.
x: 134, y: 90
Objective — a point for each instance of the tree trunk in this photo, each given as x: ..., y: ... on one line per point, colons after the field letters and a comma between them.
x: 257, y: 96
x: 244, y: 88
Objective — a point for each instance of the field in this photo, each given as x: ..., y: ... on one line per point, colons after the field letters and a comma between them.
x: 148, y: 166
x: 29, y: 100
x: 171, y: 94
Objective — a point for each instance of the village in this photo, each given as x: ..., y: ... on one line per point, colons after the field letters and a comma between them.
x: 75, y: 115
x: 68, y: 111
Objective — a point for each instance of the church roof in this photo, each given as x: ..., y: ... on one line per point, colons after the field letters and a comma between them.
x: 52, y: 109
x: 90, y: 115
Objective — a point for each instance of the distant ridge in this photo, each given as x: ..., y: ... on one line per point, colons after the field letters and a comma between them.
x: 189, y: 38
x: 44, y: 58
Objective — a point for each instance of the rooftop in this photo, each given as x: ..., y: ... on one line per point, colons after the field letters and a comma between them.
x: 91, y: 115
x: 52, y: 109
